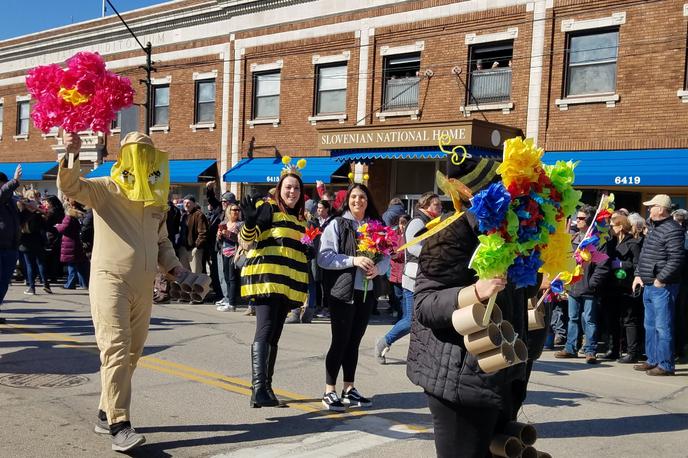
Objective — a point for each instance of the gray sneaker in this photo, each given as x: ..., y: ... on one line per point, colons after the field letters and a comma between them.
x: 127, y: 439
x: 101, y: 426
x: 381, y: 349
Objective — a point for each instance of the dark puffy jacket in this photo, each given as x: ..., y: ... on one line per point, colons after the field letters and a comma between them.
x: 662, y: 254
x: 437, y: 359
x: 33, y: 227
x: 71, y: 249
x: 628, y: 252
x: 391, y: 216
x: 9, y: 216
x: 595, y: 276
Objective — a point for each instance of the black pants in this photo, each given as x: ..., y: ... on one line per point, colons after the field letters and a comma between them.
x: 270, y: 316
x: 348, y: 323
x: 462, y: 432
x: 625, y: 312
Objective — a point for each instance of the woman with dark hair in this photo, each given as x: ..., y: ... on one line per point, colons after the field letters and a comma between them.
x: 54, y: 215
x: 625, y: 309
x: 343, y: 278
x: 275, y: 275
x: 32, y: 245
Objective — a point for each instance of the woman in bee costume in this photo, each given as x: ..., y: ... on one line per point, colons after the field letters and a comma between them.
x: 276, y: 272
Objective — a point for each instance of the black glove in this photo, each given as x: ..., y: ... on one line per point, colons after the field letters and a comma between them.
x: 249, y: 211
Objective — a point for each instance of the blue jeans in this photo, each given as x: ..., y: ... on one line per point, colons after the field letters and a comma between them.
x: 587, y: 320
x: 31, y: 261
x: 8, y: 262
x: 75, y: 270
x: 660, y: 304
x: 403, y: 326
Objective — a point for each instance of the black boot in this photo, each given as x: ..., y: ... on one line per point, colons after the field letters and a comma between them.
x: 259, y: 364
x: 272, y: 358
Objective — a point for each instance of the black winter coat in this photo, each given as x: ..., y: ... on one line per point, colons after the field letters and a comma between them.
x: 9, y: 216
x: 628, y: 252
x: 662, y: 254
x: 437, y: 359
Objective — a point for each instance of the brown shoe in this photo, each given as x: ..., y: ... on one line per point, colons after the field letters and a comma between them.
x: 590, y: 358
x: 563, y: 354
x: 643, y: 367
x: 658, y: 371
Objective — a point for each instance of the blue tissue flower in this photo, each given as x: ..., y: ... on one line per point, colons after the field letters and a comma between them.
x: 523, y: 272
x: 490, y: 206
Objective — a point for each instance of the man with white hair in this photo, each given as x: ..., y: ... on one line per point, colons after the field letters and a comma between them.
x: 659, y: 272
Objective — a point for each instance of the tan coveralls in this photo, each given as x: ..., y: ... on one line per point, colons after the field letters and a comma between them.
x: 130, y: 243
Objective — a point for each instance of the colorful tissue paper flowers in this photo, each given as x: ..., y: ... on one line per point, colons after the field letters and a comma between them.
x: 311, y: 234
x: 490, y: 206
x: 375, y: 240
x: 83, y: 96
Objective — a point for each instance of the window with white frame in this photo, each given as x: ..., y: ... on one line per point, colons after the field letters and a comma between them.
x: 266, y: 95
x: 205, y: 101
x: 23, y: 112
x: 401, y: 81
x: 331, y: 89
x: 161, y: 105
x: 117, y: 122
x: 591, y: 62
x: 490, y: 73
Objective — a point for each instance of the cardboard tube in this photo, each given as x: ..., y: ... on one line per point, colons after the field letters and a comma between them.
x: 505, y: 446
x: 482, y: 341
x: 522, y: 431
x: 202, y: 285
x: 496, y: 317
x: 175, y: 291
x: 529, y: 452
x: 187, y: 284
x: 184, y: 296
x: 179, y: 280
x: 536, y: 319
x: 467, y: 297
x: 469, y: 319
x: 195, y: 297
x: 497, y: 359
x: 508, y: 333
x: 543, y: 454
x: 521, y: 351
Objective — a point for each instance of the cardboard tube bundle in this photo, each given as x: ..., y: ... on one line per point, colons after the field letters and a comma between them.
x: 497, y: 359
x: 468, y: 320
x: 505, y: 446
x: 516, y: 441
x: 482, y: 341
x: 522, y: 431
x: 187, y: 283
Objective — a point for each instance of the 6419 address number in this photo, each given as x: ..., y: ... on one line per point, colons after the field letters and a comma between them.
x: 627, y: 180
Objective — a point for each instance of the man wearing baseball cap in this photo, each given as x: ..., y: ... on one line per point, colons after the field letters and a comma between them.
x: 659, y: 271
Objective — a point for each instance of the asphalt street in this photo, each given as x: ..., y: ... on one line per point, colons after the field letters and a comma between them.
x: 192, y: 388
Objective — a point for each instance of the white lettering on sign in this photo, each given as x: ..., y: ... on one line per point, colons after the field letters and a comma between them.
x: 422, y: 136
x: 271, y: 179
x: 627, y: 180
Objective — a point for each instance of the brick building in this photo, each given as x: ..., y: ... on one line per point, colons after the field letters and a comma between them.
x: 369, y: 87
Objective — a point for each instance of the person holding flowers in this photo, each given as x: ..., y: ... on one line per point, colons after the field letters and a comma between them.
x: 354, y: 249
x: 275, y: 275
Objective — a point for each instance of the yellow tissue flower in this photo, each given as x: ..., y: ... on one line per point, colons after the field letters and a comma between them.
x: 73, y: 96
x: 286, y: 160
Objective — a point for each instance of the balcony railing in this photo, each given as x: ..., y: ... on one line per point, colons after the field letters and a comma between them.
x: 401, y: 93
x: 490, y: 86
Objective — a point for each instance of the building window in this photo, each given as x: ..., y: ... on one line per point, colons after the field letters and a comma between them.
x: 401, y: 81
x: 490, y: 73
x: 205, y: 101
x: 161, y: 104
x: 117, y: 122
x: 331, y: 96
x: 266, y: 90
x: 23, y: 111
x: 591, y: 63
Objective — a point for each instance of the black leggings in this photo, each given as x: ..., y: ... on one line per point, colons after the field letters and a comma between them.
x: 348, y: 323
x: 270, y: 316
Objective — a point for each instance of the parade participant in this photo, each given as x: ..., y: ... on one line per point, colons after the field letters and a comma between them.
x: 275, y: 275
x: 429, y: 207
x: 9, y: 230
x: 344, y: 277
x: 130, y: 245
x: 468, y: 406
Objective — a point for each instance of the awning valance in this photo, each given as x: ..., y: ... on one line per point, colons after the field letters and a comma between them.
x: 650, y: 167
x: 401, y: 153
x: 31, y: 171
x: 267, y: 170
x: 181, y: 171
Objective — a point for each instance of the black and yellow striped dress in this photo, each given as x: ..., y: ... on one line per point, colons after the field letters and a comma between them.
x: 277, y: 266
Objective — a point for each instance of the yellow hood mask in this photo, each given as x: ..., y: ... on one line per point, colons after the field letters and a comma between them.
x: 143, y: 174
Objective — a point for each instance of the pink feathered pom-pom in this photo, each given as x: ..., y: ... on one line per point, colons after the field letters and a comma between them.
x: 104, y: 94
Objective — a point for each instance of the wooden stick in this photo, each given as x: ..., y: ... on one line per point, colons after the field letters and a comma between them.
x: 488, y: 312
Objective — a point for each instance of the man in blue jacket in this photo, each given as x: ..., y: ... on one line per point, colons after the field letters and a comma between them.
x: 9, y: 230
x: 659, y: 272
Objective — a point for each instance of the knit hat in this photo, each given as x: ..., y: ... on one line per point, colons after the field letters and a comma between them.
x: 311, y: 206
x: 190, y: 197
x: 474, y: 172
x: 229, y: 197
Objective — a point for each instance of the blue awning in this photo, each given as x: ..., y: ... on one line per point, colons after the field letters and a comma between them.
x: 650, y: 167
x: 267, y: 170
x: 181, y: 171
x: 363, y: 155
x: 31, y: 171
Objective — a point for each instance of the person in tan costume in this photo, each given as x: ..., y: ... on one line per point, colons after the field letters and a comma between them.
x: 130, y: 246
